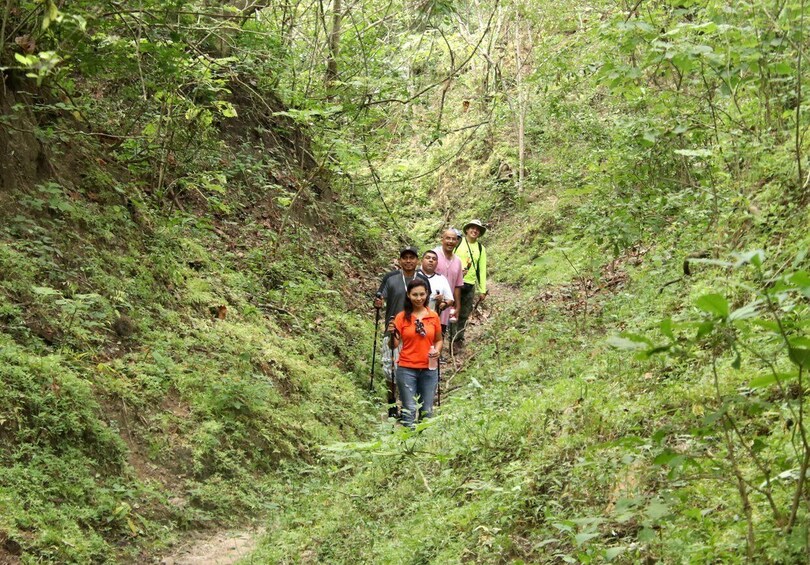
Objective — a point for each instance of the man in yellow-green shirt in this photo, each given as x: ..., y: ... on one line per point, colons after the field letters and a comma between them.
x: 473, y: 257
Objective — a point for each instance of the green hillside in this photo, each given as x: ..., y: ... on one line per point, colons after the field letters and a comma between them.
x: 196, y: 204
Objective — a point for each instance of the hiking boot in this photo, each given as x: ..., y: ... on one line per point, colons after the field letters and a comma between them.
x: 393, y: 412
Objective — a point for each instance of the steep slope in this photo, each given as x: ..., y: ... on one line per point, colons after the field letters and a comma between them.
x: 162, y: 358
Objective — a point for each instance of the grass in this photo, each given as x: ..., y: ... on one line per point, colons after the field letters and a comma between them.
x: 128, y: 411
x: 557, y: 448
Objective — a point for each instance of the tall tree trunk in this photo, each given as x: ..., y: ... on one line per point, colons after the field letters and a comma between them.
x: 521, y: 103
x: 334, y: 44
x: 3, y: 22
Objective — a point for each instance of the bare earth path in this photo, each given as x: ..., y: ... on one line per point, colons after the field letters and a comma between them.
x: 219, y: 548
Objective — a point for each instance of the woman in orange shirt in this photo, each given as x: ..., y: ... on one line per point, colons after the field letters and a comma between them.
x: 419, y: 331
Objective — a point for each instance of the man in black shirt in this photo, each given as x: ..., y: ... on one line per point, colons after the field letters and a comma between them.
x: 392, y: 293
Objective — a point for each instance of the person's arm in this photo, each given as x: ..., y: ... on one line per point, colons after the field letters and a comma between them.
x: 482, y: 270
x: 437, y: 339
x: 447, y: 292
x: 382, y: 292
x: 393, y: 332
x: 438, y: 301
x: 457, y: 284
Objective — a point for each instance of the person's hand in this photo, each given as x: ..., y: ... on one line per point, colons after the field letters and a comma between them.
x: 434, y: 354
x: 378, y: 302
x: 482, y: 296
x: 391, y: 327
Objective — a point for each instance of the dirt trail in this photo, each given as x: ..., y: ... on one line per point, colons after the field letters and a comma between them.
x: 219, y: 548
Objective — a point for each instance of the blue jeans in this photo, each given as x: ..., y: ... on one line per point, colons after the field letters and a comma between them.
x: 413, y: 384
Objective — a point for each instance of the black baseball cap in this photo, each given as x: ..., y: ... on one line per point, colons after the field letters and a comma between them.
x: 409, y: 249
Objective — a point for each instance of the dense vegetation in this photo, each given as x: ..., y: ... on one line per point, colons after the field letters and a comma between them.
x: 196, y: 201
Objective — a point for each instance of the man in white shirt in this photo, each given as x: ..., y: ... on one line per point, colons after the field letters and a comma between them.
x: 441, y: 294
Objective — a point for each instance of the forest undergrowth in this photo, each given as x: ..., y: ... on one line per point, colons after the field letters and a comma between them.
x: 196, y: 203
x: 562, y: 445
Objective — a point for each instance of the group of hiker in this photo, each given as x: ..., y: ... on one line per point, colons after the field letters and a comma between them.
x: 428, y: 301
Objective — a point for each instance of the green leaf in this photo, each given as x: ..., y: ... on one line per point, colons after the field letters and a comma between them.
x: 684, y: 62
x: 655, y: 351
x: 226, y: 109
x: 649, y: 138
x: 745, y: 312
x: 583, y: 537
x: 646, y: 535
x: 563, y: 527
x: 546, y: 542
x: 669, y: 458
x: 214, y: 187
x: 712, y: 417
x: 762, y: 381
x: 629, y: 342
x: 45, y: 291
x: 769, y: 325
x: 666, y: 328
x: 781, y: 68
x: 22, y: 59
x: 799, y: 351
x: 704, y: 329
x: 657, y: 510
x: 714, y: 304
x: 613, y: 552
x: 801, y: 280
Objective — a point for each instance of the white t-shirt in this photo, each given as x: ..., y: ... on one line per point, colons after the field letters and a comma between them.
x: 438, y: 283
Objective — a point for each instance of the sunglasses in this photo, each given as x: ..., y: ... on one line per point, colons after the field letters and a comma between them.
x: 420, y: 328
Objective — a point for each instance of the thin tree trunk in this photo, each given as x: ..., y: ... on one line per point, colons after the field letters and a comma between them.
x: 6, y: 14
x: 334, y: 44
x: 521, y: 104
x: 802, y: 183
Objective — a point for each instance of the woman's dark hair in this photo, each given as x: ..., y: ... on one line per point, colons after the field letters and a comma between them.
x: 417, y: 281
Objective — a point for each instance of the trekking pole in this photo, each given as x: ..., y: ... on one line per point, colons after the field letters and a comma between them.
x: 392, y: 386
x: 374, y: 347
x: 394, y: 366
x: 439, y: 384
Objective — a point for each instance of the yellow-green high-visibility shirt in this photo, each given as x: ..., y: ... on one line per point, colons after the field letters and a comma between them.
x: 472, y: 255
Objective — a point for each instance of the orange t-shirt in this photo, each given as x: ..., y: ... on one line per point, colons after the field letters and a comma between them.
x: 415, y: 348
